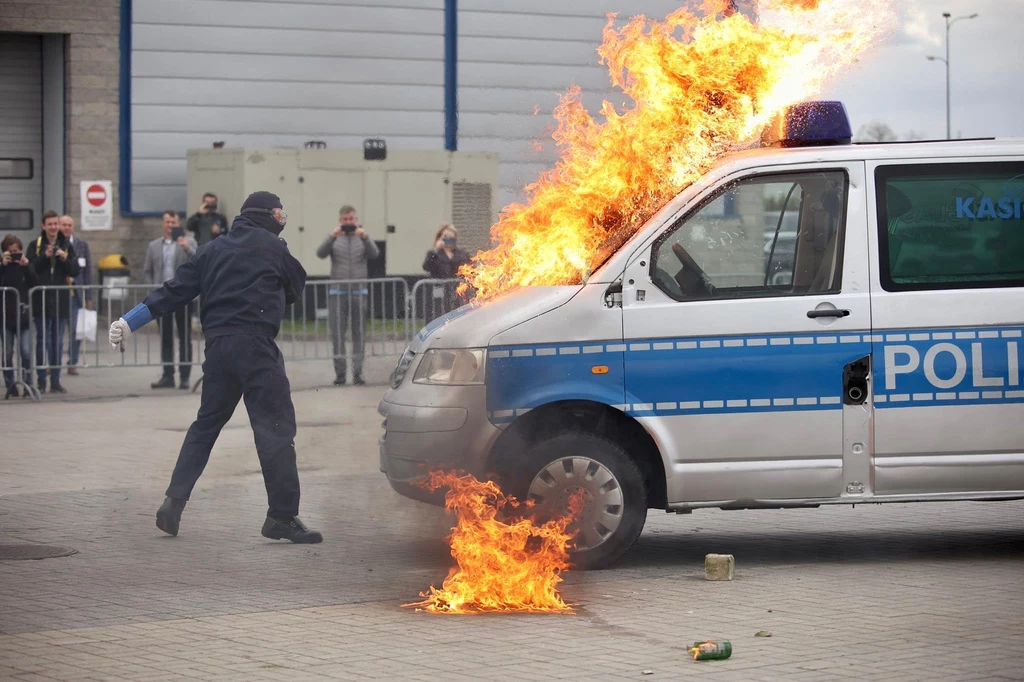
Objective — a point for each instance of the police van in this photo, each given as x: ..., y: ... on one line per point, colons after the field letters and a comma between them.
x: 813, y: 322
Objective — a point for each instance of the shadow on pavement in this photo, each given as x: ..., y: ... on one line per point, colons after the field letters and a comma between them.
x: 778, y: 547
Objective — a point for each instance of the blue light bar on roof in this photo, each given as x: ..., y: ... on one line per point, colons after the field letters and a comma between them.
x: 809, y: 124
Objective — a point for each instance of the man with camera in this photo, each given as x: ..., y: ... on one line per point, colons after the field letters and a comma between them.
x: 79, y: 297
x: 16, y: 274
x: 54, y: 262
x: 207, y: 224
x: 163, y: 258
x: 350, y: 248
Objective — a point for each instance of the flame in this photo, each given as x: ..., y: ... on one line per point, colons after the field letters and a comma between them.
x: 505, y: 561
x: 705, y: 646
x: 703, y: 82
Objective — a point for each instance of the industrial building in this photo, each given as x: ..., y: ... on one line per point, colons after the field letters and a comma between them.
x: 120, y: 90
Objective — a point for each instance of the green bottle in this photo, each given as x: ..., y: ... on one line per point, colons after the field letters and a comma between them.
x: 711, y: 651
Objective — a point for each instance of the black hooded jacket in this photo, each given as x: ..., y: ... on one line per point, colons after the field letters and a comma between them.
x: 246, y: 278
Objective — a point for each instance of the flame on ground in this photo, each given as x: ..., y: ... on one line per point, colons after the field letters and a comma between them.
x: 505, y: 561
x: 703, y: 82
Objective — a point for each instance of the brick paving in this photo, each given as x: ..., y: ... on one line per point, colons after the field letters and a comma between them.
x: 916, y: 592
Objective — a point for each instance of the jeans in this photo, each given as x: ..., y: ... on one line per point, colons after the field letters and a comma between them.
x: 341, y: 308
x: 249, y: 368
x: 24, y: 344
x: 50, y: 348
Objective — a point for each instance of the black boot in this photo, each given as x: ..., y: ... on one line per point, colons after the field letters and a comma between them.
x: 290, y: 529
x: 168, y: 516
x: 165, y: 382
x: 358, y: 380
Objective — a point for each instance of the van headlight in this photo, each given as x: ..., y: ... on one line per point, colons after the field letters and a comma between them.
x: 403, y: 366
x: 451, y: 366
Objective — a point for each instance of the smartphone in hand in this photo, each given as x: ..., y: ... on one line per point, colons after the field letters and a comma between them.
x: 177, y: 233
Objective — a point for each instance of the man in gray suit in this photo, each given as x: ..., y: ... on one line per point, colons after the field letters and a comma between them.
x: 78, y: 296
x: 163, y: 258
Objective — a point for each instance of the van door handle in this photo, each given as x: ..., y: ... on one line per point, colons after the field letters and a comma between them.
x: 829, y: 312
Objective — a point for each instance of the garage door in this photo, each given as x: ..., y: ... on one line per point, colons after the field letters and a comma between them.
x: 21, y: 132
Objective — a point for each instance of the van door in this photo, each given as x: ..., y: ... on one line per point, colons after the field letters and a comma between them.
x: 740, y: 321
x: 948, y: 310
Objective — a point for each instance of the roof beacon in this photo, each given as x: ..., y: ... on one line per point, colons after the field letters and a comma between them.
x: 809, y: 124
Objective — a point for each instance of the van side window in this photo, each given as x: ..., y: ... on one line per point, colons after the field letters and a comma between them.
x: 950, y: 225
x: 769, y: 235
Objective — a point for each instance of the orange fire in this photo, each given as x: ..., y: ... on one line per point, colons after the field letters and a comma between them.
x: 702, y: 82
x: 505, y: 561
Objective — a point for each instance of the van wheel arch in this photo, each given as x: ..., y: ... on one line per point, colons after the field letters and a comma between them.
x: 548, y: 421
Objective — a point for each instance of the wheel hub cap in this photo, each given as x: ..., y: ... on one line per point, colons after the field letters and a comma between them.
x: 555, y: 485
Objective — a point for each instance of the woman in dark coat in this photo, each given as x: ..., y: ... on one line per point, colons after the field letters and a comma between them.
x: 443, y: 262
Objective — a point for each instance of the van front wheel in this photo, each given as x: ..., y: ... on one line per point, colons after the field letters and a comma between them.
x: 611, y: 486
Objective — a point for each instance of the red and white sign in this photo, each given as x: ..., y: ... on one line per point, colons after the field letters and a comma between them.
x: 97, y: 205
x: 96, y: 194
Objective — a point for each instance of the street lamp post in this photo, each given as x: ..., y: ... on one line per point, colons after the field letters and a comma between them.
x: 949, y: 22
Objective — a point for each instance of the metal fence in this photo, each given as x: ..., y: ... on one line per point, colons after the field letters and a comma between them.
x: 431, y: 298
x: 337, y: 320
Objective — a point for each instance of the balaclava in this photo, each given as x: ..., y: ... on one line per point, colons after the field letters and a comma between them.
x: 265, y: 209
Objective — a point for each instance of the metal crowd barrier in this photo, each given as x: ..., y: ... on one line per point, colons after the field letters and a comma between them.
x: 384, y: 313
x: 16, y: 358
x: 321, y: 325
x: 55, y: 305
x: 431, y: 298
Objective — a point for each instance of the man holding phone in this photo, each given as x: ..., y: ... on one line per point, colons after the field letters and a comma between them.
x: 163, y: 258
x: 349, y: 247
x: 207, y: 224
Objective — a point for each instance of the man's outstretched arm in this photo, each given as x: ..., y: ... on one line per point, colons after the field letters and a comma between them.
x: 168, y: 298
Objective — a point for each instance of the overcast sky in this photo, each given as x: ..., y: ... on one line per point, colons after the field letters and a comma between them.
x: 897, y: 85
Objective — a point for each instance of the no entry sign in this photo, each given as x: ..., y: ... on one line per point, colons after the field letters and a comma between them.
x: 97, y: 205
x: 96, y: 194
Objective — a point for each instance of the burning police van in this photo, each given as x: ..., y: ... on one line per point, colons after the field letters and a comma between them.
x: 813, y: 322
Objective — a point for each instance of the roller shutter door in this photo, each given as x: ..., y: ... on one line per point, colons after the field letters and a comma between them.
x: 21, y: 132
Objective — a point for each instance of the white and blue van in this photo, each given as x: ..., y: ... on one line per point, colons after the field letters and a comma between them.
x: 813, y: 322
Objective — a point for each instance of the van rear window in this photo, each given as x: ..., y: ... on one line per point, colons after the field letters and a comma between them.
x: 951, y: 225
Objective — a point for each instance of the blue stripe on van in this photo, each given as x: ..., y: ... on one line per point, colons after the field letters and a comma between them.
x: 734, y: 374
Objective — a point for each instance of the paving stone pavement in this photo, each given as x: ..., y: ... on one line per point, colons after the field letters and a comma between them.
x: 915, y: 592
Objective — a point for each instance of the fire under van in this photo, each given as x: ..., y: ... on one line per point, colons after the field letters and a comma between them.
x: 813, y: 322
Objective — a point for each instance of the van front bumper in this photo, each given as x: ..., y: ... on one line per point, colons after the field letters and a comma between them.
x: 432, y: 428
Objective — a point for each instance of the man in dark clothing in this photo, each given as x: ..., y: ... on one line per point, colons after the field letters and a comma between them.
x: 207, y: 224
x: 55, y: 262
x: 16, y: 274
x: 245, y: 281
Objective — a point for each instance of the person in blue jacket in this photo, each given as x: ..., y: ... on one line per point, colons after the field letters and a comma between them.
x: 245, y: 278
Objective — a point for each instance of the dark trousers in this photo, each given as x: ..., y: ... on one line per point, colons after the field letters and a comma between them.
x: 182, y: 317
x: 50, y: 348
x: 74, y: 343
x: 250, y: 368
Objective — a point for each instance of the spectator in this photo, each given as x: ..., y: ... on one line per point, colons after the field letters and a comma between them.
x: 54, y: 261
x: 79, y: 297
x: 350, y: 248
x: 207, y: 224
x: 164, y: 256
x: 443, y: 262
x: 16, y: 274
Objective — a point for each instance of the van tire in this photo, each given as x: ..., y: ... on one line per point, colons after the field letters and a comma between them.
x: 600, y: 460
